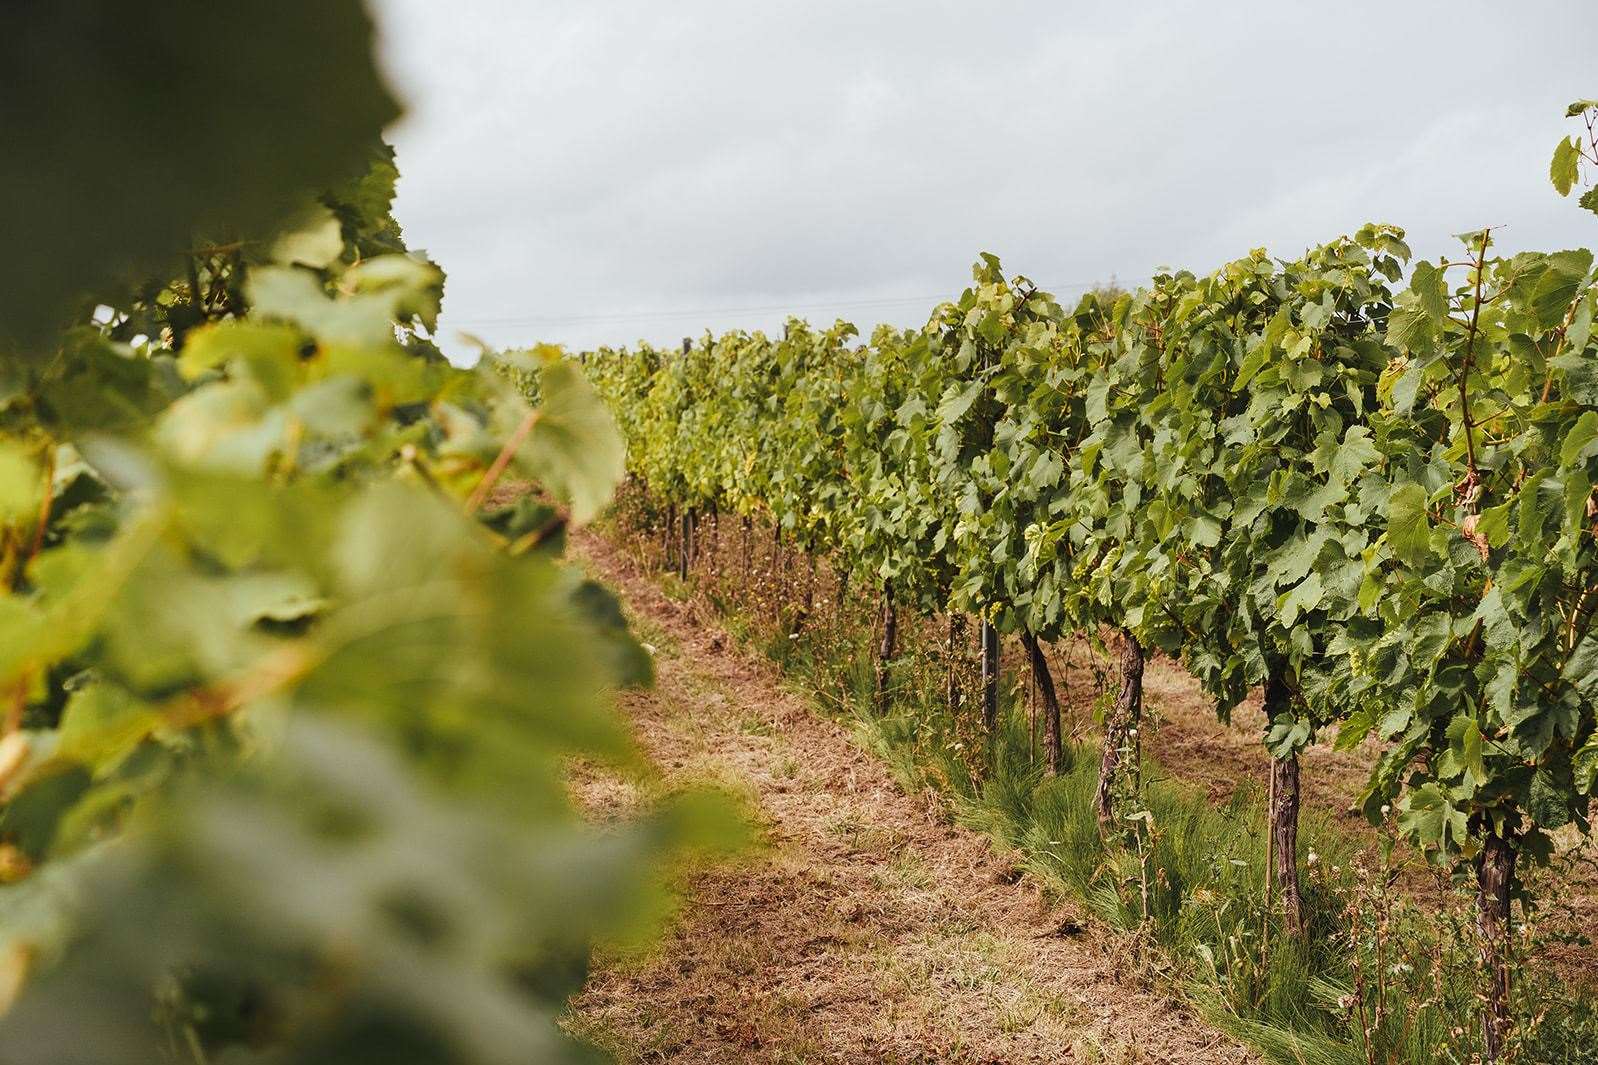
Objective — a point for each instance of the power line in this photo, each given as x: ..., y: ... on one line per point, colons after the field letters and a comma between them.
x: 648, y: 316
x: 623, y: 317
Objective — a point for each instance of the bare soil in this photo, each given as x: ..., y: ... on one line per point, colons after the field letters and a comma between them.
x: 868, y: 928
x: 1190, y: 742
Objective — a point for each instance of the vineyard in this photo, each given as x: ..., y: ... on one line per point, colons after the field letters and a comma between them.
x: 1358, y: 483
x: 310, y: 646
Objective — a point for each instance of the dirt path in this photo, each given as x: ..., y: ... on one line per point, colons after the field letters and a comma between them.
x: 869, y: 930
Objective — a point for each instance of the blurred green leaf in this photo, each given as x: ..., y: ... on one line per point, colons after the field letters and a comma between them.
x: 274, y: 103
x: 574, y: 448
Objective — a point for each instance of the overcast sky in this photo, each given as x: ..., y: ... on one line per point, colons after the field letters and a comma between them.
x: 601, y: 172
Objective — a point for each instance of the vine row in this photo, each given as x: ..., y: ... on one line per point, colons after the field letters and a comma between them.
x: 1361, y: 483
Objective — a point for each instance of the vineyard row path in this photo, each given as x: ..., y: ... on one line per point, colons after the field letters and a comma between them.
x: 865, y: 927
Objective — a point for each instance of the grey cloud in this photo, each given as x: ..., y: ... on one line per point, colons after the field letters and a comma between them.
x: 573, y: 166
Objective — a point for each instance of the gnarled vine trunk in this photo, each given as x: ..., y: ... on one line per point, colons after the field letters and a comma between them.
x: 1284, y: 841
x: 1051, y: 701
x: 810, y: 584
x: 668, y: 537
x: 1124, y: 717
x: 807, y: 606
x: 1495, y: 878
x: 686, y: 558
x: 890, y: 638
x: 715, y: 542
x: 1283, y: 813
x: 748, y: 551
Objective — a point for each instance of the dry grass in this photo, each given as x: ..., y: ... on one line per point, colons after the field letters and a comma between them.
x: 870, y: 929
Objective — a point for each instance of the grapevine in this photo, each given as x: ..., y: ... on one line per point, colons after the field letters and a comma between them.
x: 1374, y: 504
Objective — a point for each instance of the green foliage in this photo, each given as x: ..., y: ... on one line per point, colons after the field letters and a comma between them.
x: 135, y: 132
x: 288, y: 686
x: 896, y: 521
x: 1571, y: 152
x: 1384, y: 498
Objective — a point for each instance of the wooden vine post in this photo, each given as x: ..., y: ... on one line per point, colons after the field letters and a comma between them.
x: 715, y: 541
x: 1495, y: 865
x: 810, y: 584
x: 1051, y: 701
x: 989, y: 637
x: 953, y: 695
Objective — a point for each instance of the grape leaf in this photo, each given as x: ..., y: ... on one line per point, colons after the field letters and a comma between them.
x: 274, y: 101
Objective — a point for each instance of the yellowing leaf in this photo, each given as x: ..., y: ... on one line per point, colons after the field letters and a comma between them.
x: 1565, y: 167
x: 21, y: 483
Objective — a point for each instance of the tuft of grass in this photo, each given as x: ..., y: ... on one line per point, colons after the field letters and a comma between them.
x: 755, y: 725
